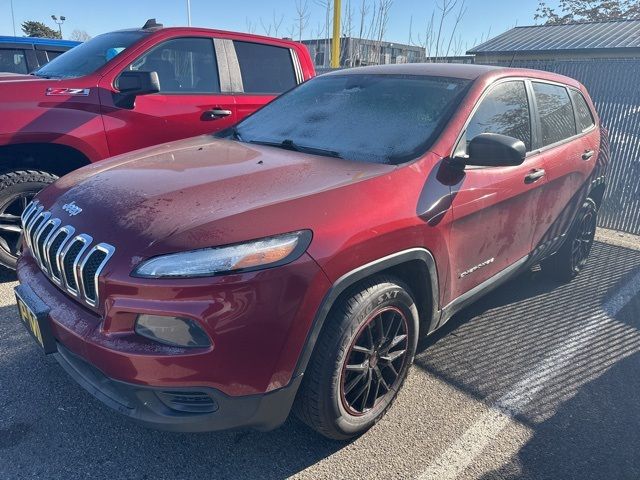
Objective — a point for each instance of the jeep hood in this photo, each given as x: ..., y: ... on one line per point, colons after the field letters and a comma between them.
x: 200, y: 192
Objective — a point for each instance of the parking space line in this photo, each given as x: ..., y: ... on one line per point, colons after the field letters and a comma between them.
x: 462, y: 453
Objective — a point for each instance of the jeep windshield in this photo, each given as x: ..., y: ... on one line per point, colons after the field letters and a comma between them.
x: 87, y: 57
x: 376, y: 118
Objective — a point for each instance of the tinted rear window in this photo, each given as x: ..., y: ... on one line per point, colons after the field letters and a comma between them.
x: 265, y: 68
x: 369, y: 118
x: 557, y: 121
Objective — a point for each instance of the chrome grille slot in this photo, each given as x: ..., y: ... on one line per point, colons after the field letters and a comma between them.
x: 68, y: 259
x: 90, y: 270
x: 41, y: 238
x: 54, y: 248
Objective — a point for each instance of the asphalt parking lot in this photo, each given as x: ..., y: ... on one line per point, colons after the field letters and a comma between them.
x: 534, y: 381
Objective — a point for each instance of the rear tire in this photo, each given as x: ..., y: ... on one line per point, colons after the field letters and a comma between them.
x: 572, y: 257
x: 361, y: 359
x: 17, y: 188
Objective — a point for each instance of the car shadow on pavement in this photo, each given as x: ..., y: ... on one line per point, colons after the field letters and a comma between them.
x: 584, y: 422
x: 574, y: 349
x: 51, y: 428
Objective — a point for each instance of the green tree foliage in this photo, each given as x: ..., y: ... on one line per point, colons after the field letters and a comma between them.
x: 573, y: 11
x: 32, y: 28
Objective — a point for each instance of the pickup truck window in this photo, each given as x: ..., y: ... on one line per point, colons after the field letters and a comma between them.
x: 265, y: 68
x: 12, y: 61
x: 87, y: 57
x: 184, y: 65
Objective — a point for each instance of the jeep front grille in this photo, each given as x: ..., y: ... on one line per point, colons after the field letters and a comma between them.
x: 67, y: 258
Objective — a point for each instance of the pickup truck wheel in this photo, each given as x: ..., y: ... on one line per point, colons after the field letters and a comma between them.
x: 17, y: 188
x: 572, y: 256
x: 360, y: 361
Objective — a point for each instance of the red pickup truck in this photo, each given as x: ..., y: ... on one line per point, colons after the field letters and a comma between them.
x: 126, y: 90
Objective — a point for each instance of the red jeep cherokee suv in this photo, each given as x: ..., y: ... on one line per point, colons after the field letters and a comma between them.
x: 126, y: 90
x: 292, y: 261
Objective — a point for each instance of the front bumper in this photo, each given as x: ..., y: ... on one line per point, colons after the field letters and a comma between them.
x: 173, y: 408
x: 257, y: 326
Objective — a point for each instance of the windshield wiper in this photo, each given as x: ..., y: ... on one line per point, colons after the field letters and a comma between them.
x: 290, y: 145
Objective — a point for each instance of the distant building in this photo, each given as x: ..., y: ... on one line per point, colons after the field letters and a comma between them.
x: 577, y: 41
x: 359, y: 51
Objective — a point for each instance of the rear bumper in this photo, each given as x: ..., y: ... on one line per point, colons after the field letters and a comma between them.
x: 182, y: 409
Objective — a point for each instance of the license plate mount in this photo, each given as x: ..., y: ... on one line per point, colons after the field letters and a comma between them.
x: 34, y: 314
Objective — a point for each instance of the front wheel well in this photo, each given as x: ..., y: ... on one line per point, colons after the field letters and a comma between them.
x: 48, y: 157
x: 413, y: 273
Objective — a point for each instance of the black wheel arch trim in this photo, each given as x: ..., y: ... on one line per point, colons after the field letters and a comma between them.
x: 351, y: 278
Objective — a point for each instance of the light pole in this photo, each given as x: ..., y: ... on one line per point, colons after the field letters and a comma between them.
x: 189, y: 12
x: 13, y: 19
x: 335, y: 43
x: 59, y: 21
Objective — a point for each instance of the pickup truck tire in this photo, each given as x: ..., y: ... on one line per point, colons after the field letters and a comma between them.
x: 17, y: 188
x: 361, y: 359
x: 572, y: 256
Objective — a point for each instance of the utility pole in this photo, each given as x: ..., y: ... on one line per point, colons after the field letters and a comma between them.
x: 13, y: 19
x: 59, y: 22
x: 189, y: 12
x: 335, y: 43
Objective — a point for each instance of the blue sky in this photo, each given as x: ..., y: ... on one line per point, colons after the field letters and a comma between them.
x: 482, y: 16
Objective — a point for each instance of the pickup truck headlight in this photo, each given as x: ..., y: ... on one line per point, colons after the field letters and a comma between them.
x: 242, y: 257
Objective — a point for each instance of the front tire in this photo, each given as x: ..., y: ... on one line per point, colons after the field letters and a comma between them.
x: 361, y: 360
x: 572, y: 257
x: 17, y: 188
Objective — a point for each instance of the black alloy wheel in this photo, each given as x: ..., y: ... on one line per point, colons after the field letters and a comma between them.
x: 374, y: 361
x: 17, y: 189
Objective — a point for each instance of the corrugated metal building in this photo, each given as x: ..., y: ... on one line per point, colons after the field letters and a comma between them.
x: 605, y: 57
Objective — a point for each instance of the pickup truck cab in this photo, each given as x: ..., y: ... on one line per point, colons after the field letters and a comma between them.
x: 26, y: 54
x: 126, y: 90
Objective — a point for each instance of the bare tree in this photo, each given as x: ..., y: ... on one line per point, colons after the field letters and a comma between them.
x: 302, y: 17
x: 249, y: 25
x: 80, y: 36
x: 274, y: 25
x: 442, y: 27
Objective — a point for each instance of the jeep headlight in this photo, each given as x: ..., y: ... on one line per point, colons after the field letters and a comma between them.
x: 242, y: 257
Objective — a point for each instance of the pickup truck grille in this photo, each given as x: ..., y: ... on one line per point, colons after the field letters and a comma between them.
x: 71, y: 260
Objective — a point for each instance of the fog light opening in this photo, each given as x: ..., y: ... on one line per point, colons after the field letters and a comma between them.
x: 173, y: 331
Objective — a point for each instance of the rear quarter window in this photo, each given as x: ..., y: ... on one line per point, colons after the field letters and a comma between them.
x: 583, y: 112
x: 555, y: 110
x: 265, y: 68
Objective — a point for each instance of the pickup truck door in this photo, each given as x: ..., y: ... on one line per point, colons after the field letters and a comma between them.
x: 195, y: 95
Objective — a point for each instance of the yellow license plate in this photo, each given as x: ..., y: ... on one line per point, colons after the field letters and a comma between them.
x: 34, y: 324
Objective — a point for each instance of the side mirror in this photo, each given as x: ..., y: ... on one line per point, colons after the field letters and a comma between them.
x: 494, y: 150
x: 134, y: 83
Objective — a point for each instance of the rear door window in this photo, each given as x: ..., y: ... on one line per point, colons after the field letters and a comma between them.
x: 557, y: 120
x: 13, y: 61
x: 583, y: 112
x: 265, y: 68
x: 183, y: 65
x: 504, y: 110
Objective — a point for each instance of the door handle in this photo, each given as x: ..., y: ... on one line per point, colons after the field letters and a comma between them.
x: 587, y: 154
x: 535, y: 175
x: 215, y: 114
